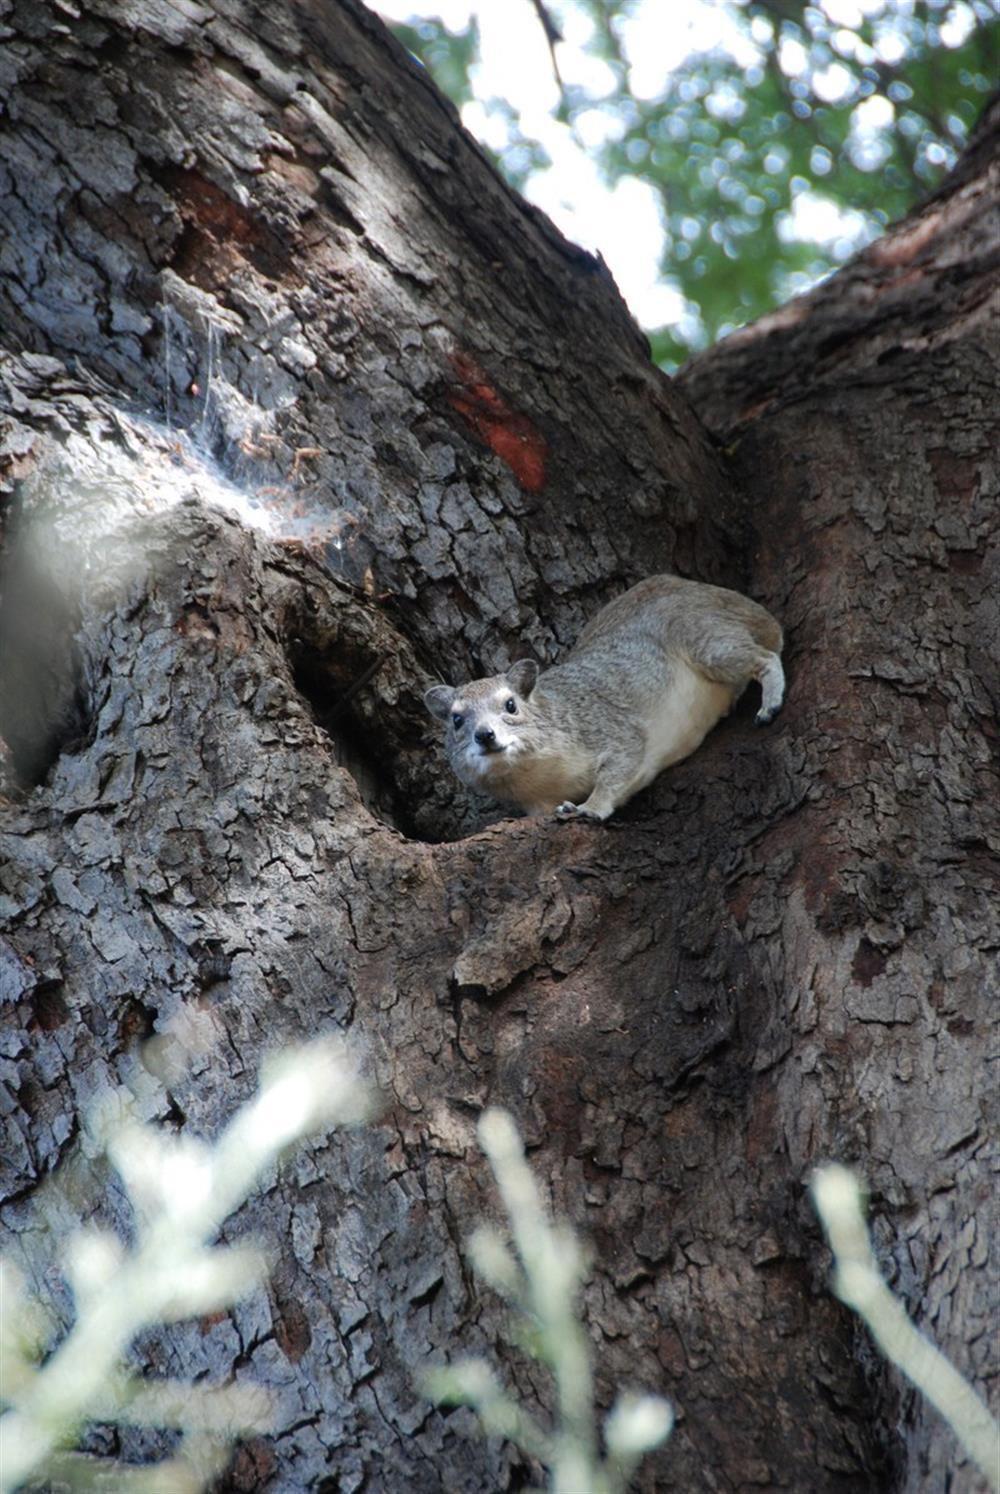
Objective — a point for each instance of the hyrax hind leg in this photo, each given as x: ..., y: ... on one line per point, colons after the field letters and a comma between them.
x: 735, y: 658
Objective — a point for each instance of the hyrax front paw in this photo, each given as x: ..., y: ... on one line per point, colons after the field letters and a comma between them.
x: 568, y: 811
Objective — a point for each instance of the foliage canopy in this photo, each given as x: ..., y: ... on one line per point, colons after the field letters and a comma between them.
x: 775, y: 150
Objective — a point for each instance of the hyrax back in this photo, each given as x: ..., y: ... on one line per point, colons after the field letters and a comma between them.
x: 648, y: 678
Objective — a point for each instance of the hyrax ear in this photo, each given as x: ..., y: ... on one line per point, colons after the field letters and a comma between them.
x: 522, y: 676
x: 438, y: 701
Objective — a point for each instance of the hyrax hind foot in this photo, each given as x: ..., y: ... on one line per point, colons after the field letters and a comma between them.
x: 772, y: 689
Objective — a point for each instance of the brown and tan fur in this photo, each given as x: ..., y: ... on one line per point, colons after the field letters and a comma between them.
x: 648, y: 678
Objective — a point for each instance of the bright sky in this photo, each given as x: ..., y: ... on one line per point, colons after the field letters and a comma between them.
x: 623, y: 222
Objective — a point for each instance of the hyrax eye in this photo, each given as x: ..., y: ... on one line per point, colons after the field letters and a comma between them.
x: 456, y: 720
x: 511, y: 706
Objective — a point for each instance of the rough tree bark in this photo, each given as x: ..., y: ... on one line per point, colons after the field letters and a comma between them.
x: 294, y: 387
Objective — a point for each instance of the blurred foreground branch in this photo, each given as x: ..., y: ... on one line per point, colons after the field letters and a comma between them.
x: 181, y: 1191
x: 858, y: 1282
x: 543, y: 1288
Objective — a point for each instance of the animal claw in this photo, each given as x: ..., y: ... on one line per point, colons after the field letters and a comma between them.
x: 568, y: 811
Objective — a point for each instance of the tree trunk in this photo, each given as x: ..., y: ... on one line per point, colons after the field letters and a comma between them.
x: 303, y: 408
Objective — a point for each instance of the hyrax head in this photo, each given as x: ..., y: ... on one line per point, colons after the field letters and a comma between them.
x: 485, y: 723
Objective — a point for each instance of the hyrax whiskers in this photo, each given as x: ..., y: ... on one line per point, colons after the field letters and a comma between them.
x: 648, y: 678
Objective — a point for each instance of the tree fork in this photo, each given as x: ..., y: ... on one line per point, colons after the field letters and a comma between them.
x: 296, y: 383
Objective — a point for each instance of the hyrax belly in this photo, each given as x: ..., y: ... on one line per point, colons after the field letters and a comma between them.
x: 672, y: 722
x: 681, y: 717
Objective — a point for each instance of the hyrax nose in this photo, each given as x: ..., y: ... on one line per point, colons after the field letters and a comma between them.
x: 485, y: 736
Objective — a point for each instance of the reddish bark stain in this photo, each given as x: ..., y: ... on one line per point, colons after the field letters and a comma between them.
x: 511, y: 435
x: 204, y: 203
x: 220, y: 234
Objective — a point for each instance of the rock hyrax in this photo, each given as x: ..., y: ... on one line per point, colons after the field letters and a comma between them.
x: 649, y: 676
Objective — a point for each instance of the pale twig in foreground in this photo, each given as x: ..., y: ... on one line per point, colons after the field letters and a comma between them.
x: 181, y: 1191
x: 544, y: 1289
x: 858, y: 1282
